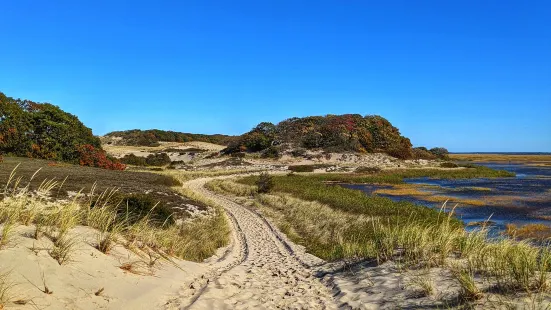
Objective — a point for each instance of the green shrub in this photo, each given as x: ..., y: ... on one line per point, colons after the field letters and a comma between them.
x: 265, y: 183
x: 440, y: 152
x: 131, y: 159
x: 167, y: 180
x: 422, y: 153
x: 271, y: 152
x: 368, y: 170
x: 449, y: 165
x: 158, y: 159
x: 302, y: 168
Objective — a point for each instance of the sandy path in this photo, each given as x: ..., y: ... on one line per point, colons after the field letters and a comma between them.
x: 260, y: 271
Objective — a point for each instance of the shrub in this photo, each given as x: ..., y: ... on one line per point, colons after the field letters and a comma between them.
x: 368, y: 170
x: 265, y: 183
x: 302, y: 168
x: 449, y: 165
x: 93, y: 157
x: 440, y: 152
x: 422, y: 153
x: 131, y: 159
x: 158, y: 159
x: 271, y: 152
x: 298, y: 152
x: 401, y: 150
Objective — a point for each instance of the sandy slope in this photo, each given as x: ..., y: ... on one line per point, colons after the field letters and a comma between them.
x: 91, y: 280
x: 267, y: 273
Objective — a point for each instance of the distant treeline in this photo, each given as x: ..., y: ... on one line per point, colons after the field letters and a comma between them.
x: 152, y: 137
x: 43, y: 130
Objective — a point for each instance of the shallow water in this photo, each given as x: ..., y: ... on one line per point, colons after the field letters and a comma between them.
x: 523, y: 199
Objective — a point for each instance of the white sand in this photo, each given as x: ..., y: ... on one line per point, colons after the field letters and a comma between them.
x: 75, y: 284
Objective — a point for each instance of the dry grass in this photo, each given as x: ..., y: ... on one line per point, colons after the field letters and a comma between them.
x: 502, y: 157
x: 188, y: 239
x: 6, y: 289
x: 415, y: 191
x: 466, y: 280
x: 64, y: 248
x: 539, y: 232
x: 184, y: 176
x: 423, y: 282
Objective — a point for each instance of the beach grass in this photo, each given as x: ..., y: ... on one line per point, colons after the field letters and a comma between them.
x: 191, y: 239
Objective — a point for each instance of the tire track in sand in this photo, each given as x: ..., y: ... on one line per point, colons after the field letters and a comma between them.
x: 260, y: 271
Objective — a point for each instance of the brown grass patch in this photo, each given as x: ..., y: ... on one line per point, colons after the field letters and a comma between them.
x: 538, y: 232
x: 414, y: 191
x: 541, y: 159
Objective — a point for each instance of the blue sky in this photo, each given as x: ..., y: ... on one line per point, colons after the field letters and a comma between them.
x: 467, y: 75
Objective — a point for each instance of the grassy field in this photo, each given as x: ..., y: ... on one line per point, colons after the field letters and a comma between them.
x: 541, y: 159
x: 397, y: 176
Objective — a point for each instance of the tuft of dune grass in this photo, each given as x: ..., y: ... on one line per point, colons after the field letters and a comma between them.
x: 195, y: 239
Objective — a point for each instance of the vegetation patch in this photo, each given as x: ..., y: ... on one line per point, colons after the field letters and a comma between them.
x: 152, y: 137
x: 312, y: 188
x: 538, y: 232
x: 479, y: 265
x: 74, y: 179
x: 449, y: 165
x: 138, y: 225
x: 308, y: 168
x: 417, y: 192
x: 332, y: 133
x: 43, y: 130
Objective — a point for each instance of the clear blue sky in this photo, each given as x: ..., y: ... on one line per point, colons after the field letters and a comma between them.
x: 467, y: 75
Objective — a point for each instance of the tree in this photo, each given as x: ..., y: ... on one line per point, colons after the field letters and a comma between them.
x: 42, y: 130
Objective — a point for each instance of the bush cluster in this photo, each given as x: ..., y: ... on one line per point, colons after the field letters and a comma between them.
x: 434, y: 153
x: 301, y: 168
x: 154, y: 136
x: 368, y: 170
x: 42, y: 130
x: 158, y: 159
x: 334, y: 133
x: 265, y: 183
x: 271, y: 152
x: 449, y: 165
x: 93, y: 157
x: 131, y: 159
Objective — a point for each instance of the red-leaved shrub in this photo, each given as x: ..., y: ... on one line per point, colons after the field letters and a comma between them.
x: 93, y: 157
